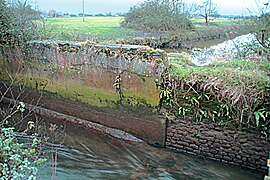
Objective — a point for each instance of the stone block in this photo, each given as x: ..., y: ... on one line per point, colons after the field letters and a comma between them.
x: 224, y: 161
x: 231, y: 156
x: 236, y: 149
x: 243, y: 140
x: 178, y: 146
x: 183, y: 129
x: 213, y: 158
x: 218, y: 156
x: 227, y: 158
x: 259, y: 149
x: 224, y: 153
x: 191, y: 153
x: 226, y: 146
x: 184, y: 133
x: 203, y: 141
x: 238, y: 157
x: 251, y: 160
x: 198, y: 152
x: 183, y: 143
x: 188, y: 149
x: 237, y: 161
x: 204, y: 149
x: 194, y: 146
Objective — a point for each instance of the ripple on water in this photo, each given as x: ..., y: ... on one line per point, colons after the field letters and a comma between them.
x: 88, y: 154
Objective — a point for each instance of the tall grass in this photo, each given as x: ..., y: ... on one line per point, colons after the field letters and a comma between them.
x: 233, y: 93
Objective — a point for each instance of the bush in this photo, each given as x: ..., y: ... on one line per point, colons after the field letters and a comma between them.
x: 18, y: 161
x: 17, y: 24
x: 20, y: 152
x: 156, y: 15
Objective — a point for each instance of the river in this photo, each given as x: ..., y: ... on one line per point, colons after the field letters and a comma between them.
x: 236, y: 48
x: 89, y: 154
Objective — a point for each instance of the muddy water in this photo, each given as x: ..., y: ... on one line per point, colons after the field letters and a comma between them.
x: 88, y: 154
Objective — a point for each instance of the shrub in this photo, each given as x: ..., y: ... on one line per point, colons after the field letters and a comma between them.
x: 17, y: 24
x: 17, y: 160
x: 20, y: 152
x: 156, y: 15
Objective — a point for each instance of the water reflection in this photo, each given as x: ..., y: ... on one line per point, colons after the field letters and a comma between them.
x: 87, y: 154
x: 227, y: 50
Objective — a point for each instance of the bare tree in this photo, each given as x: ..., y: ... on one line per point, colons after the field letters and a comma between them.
x: 179, y: 6
x: 207, y: 9
x: 262, y: 23
x: 52, y: 13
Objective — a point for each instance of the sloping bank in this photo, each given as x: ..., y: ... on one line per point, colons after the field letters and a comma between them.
x: 219, y: 112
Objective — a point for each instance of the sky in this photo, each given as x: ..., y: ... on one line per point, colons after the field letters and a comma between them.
x: 226, y: 7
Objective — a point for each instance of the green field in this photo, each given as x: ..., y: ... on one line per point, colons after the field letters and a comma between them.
x: 96, y: 28
x: 219, y: 21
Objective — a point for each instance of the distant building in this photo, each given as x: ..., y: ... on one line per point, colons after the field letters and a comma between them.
x: 66, y: 14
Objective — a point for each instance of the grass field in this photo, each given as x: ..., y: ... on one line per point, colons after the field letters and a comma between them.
x: 219, y: 21
x: 102, y: 29
x: 97, y: 28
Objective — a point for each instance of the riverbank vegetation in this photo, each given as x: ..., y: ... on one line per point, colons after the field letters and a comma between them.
x: 234, y: 93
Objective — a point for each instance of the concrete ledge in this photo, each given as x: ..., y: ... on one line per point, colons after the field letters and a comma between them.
x: 62, y: 117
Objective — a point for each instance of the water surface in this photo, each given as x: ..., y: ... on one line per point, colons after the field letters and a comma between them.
x: 88, y: 154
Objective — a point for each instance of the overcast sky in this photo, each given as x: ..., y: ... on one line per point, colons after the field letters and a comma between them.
x: 226, y: 7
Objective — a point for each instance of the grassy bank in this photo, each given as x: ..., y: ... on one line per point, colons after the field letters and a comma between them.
x: 234, y: 93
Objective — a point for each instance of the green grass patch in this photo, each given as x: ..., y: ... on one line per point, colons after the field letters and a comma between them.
x: 97, y: 28
x: 220, y: 21
x: 234, y: 72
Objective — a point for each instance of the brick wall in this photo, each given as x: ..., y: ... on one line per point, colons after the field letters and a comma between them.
x: 241, y: 148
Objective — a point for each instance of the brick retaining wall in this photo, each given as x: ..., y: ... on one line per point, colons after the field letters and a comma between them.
x: 245, y: 149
